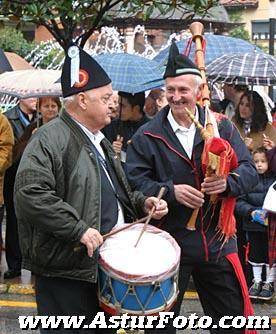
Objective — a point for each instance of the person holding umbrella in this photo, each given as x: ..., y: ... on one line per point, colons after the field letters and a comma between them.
x: 48, y: 108
x: 167, y: 152
x: 131, y: 116
x: 70, y: 190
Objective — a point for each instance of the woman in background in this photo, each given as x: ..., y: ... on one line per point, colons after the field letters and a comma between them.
x: 48, y: 108
x: 252, y: 121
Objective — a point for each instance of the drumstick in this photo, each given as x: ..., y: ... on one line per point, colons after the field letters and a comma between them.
x: 161, y: 193
x: 139, y: 221
x: 105, y: 236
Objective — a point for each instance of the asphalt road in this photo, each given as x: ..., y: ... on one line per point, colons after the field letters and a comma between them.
x: 11, y: 306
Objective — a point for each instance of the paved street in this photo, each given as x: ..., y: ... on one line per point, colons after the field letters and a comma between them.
x: 17, y: 298
x: 9, y: 314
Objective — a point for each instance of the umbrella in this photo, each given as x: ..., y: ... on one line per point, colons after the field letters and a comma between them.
x: 216, y: 46
x: 131, y: 73
x: 254, y: 68
x: 10, y: 61
x: 30, y: 83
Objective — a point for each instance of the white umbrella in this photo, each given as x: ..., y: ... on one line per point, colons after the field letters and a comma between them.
x: 31, y: 83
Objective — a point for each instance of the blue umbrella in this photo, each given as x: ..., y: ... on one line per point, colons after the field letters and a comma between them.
x: 216, y: 46
x: 131, y: 73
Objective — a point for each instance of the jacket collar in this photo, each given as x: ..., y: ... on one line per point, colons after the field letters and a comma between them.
x: 13, y: 113
x: 160, y: 125
x: 76, y: 129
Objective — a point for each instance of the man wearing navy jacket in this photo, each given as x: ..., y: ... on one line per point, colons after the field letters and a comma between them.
x: 167, y: 152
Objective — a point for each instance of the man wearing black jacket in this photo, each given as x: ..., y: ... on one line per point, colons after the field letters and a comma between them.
x: 167, y: 152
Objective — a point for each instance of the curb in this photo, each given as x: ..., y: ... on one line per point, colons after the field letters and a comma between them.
x: 20, y: 289
x: 28, y: 289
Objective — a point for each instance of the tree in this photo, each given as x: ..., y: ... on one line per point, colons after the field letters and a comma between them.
x: 67, y: 19
x: 13, y: 40
x: 239, y: 32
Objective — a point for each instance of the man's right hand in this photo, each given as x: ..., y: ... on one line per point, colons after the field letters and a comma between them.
x: 268, y: 144
x: 92, y: 240
x: 188, y: 196
x: 118, y: 144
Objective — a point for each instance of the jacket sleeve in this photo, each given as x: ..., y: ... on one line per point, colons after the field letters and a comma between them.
x: 140, y: 170
x: 243, y: 207
x: 38, y: 199
x: 271, y: 156
x: 245, y: 177
x: 6, y: 144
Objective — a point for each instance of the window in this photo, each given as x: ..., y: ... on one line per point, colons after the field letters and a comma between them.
x: 260, y: 30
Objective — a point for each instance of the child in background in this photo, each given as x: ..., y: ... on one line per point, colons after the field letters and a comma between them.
x: 249, y: 206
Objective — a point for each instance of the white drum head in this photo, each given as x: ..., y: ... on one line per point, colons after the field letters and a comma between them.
x: 157, y: 253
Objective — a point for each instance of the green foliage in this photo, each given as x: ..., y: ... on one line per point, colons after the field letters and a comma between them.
x: 64, y: 17
x: 265, y: 48
x: 239, y: 32
x: 13, y: 40
x: 51, y: 57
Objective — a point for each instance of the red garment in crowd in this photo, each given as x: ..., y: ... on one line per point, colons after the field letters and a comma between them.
x: 272, y: 239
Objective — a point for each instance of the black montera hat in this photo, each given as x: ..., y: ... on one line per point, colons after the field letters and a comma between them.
x: 81, y: 72
x: 179, y: 64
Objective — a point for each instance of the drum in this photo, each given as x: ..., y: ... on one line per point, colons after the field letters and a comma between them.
x: 140, y: 280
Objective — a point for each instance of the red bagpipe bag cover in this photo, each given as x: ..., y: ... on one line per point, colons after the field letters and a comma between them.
x: 227, y: 162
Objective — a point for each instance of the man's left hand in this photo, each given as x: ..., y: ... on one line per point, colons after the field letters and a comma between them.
x: 161, y: 207
x: 214, y: 185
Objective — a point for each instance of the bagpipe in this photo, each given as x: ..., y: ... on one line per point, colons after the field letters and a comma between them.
x: 218, y: 157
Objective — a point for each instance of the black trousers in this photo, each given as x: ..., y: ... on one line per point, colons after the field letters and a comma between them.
x: 61, y: 296
x: 13, y: 252
x: 218, y: 289
x: 1, y: 220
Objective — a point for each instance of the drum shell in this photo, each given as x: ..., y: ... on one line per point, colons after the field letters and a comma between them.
x: 121, y: 293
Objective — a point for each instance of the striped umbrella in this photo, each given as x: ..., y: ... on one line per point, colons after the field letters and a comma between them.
x: 253, y: 68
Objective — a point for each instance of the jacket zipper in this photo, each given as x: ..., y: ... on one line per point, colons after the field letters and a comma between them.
x: 192, y: 164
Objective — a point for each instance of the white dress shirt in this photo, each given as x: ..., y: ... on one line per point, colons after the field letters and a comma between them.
x: 185, y: 135
x: 96, y: 139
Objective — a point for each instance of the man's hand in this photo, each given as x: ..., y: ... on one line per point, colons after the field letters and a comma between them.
x: 214, y: 185
x: 161, y: 207
x: 268, y: 144
x: 92, y: 240
x: 248, y: 142
x: 118, y: 144
x: 188, y: 196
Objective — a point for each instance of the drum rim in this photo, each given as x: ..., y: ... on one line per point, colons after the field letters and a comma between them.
x: 147, y: 281
x: 118, y: 274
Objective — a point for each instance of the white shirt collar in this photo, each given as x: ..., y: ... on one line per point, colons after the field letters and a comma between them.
x: 175, y: 126
x: 94, y: 137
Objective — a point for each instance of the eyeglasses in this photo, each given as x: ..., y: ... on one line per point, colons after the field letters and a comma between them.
x: 103, y: 100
